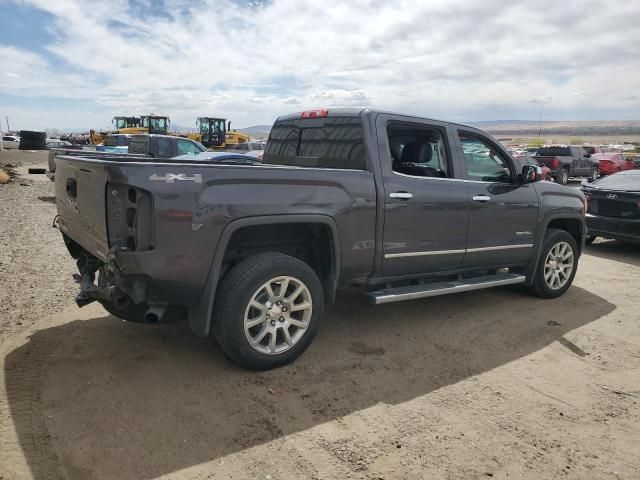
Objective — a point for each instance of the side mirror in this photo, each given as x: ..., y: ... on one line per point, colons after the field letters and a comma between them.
x: 587, y: 155
x: 531, y: 173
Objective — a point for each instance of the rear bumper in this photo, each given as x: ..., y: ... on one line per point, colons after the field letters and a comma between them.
x: 615, y: 228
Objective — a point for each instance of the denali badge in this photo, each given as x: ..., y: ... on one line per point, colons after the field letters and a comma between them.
x: 172, y: 177
x: 612, y: 196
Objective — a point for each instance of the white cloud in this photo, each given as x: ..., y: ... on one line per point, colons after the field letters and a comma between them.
x: 251, y: 62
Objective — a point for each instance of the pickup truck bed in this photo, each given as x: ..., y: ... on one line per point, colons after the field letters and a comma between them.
x: 399, y: 207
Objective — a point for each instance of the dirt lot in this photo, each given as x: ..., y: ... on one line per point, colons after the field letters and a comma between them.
x: 486, y: 384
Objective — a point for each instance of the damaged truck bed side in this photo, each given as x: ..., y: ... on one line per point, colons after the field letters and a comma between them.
x: 400, y: 207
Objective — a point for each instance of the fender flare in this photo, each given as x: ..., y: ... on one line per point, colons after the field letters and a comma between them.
x: 200, y: 314
x: 532, y: 267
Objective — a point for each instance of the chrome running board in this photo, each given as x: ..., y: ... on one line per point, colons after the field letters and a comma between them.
x: 412, y: 292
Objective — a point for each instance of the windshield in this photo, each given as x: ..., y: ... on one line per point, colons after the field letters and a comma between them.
x: 157, y: 125
x: 126, y: 122
x: 212, y: 130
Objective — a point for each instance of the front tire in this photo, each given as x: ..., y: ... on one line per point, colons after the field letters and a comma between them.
x: 557, y: 264
x: 267, y: 311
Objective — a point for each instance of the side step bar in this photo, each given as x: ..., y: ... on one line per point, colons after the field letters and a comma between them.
x: 412, y: 292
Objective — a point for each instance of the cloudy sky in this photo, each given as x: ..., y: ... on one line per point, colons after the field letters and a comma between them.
x: 77, y: 63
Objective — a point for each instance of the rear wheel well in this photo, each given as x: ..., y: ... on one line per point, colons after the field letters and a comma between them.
x: 310, y: 242
x: 570, y: 225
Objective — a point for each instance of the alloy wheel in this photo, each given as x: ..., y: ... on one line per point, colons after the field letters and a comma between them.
x: 278, y: 315
x: 558, y: 265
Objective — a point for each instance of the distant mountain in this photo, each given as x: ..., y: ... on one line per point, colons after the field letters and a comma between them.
x: 561, y: 127
x: 256, y: 130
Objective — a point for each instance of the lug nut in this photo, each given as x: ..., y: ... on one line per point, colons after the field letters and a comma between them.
x: 278, y: 303
x: 284, y: 309
x: 273, y: 323
x: 282, y: 319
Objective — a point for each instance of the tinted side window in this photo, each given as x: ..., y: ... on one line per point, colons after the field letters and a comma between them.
x: 185, y: 147
x: 335, y: 142
x: 164, y: 147
x: 139, y: 145
x: 483, y: 162
x: 417, y: 150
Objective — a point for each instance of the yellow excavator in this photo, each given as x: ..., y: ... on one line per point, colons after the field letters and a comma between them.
x: 216, y: 133
x: 134, y: 126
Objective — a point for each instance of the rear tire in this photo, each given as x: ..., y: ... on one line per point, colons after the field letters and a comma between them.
x: 258, y: 321
x: 563, y: 177
x: 557, y: 264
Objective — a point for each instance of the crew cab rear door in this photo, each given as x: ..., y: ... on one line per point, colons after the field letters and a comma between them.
x: 425, y: 202
x: 503, y: 214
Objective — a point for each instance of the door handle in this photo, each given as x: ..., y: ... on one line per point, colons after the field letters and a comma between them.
x: 481, y: 198
x: 401, y: 195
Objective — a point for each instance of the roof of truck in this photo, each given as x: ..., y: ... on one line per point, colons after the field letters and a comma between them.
x: 356, y: 112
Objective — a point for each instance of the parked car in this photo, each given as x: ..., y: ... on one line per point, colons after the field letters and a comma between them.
x: 568, y: 161
x: 245, y: 147
x: 163, y: 146
x: 257, y: 154
x: 10, y: 142
x: 612, y: 162
x: 55, y: 143
x: 400, y: 207
x: 523, y: 160
x: 115, y: 142
x: 147, y: 146
x: 219, y: 157
x: 614, y: 207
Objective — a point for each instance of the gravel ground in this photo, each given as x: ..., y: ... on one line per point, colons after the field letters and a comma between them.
x: 34, y: 264
x: 489, y: 384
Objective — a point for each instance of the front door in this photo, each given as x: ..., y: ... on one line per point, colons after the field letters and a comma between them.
x: 425, y: 206
x: 503, y: 213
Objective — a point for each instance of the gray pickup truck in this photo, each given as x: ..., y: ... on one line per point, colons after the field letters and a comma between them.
x: 568, y: 161
x: 399, y: 207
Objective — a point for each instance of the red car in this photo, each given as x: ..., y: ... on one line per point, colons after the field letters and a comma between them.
x: 613, y: 162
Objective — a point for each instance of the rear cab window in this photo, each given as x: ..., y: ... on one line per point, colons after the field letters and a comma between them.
x: 327, y: 142
x: 554, y: 152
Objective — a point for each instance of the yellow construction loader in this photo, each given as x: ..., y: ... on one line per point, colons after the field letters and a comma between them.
x: 216, y: 133
x: 134, y: 126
